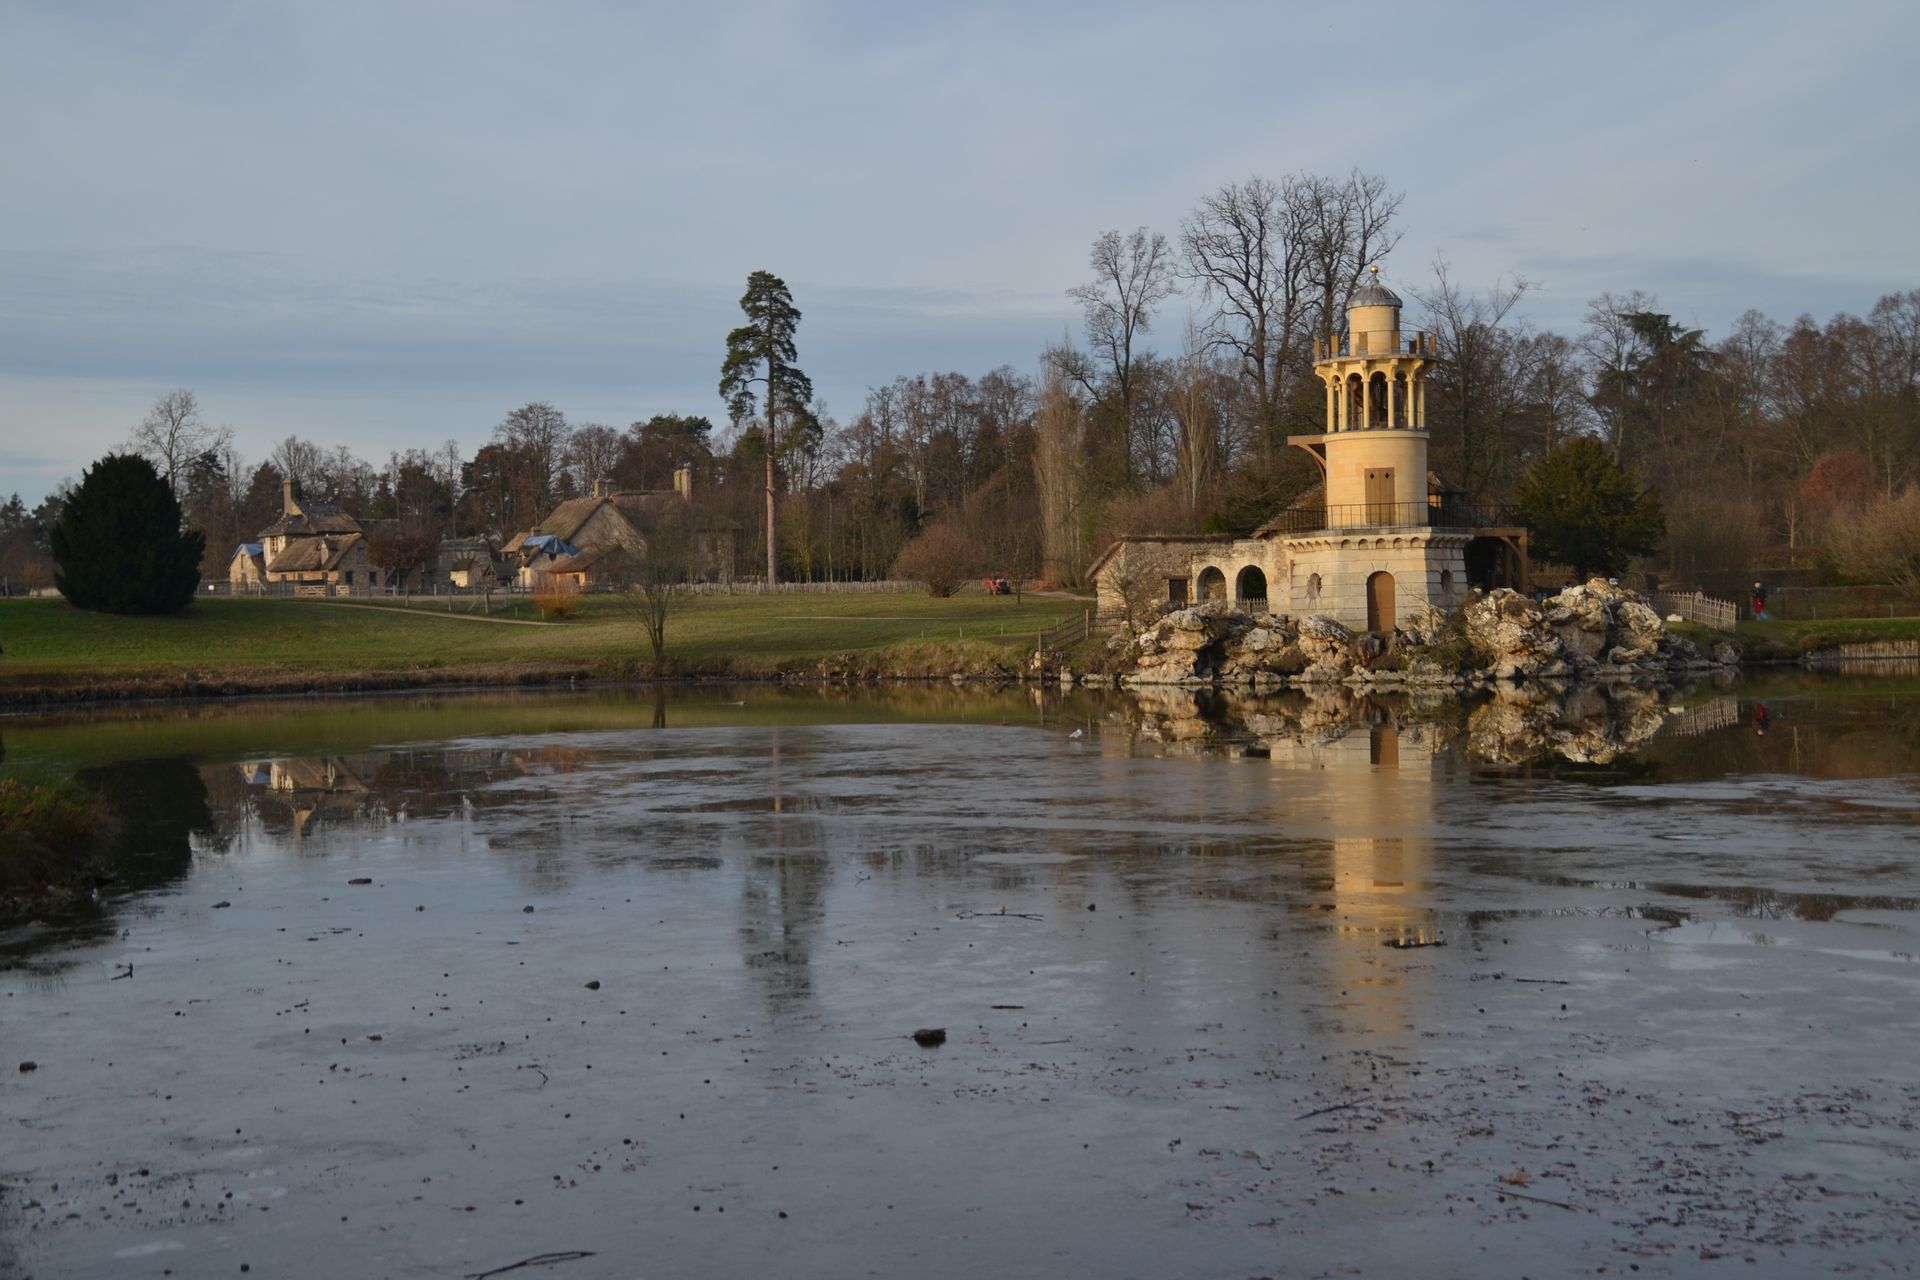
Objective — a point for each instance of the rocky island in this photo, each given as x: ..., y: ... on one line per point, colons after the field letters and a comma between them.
x: 1591, y: 631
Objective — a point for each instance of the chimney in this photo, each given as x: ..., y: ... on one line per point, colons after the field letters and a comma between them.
x: 289, y: 504
x: 683, y: 482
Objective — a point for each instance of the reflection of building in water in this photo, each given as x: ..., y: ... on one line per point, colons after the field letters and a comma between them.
x: 305, y: 785
x: 1376, y: 796
x: 300, y: 795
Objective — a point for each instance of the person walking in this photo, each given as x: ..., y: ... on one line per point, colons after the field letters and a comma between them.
x: 1759, y: 603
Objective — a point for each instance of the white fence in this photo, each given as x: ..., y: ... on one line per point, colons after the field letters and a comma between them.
x: 1693, y: 606
x: 367, y: 591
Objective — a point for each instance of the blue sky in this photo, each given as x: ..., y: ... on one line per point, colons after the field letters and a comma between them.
x: 387, y: 224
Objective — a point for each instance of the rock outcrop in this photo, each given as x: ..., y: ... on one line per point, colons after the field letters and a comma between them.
x: 1593, y: 630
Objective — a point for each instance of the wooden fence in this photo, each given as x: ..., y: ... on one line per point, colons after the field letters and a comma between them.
x: 1693, y: 606
x: 1070, y: 632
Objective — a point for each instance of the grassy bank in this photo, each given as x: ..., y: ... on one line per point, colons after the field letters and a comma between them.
x: 1789, y: 640
x: 55, y: 652
x: 51, y: 834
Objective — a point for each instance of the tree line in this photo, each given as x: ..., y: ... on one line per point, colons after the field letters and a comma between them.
x: 1796, y: 442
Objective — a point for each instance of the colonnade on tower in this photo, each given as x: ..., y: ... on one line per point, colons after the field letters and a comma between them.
x: 1377, y: 378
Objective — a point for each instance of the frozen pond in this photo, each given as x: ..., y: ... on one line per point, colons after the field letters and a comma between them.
x: 638, y: 979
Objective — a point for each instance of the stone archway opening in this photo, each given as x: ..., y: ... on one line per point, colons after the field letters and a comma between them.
x: 1380, y: 614
x: 1250, y: 588
x: 1212, y: 584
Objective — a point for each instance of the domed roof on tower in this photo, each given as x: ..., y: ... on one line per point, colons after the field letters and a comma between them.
x: 1373, y: 293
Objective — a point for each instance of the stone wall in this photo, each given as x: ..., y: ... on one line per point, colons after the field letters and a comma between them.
x: 1428, y: 568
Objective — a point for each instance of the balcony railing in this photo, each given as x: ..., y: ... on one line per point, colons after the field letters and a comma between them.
x: 1380, y: 343
x: 1440, y: 511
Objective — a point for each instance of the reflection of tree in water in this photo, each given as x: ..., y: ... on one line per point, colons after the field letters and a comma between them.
x: 161, y: 807
x: 782, y: 902
x: 783, y: 897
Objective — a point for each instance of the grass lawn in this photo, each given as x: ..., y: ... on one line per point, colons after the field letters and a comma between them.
x: 52, y: 645
x: 1789, y: 638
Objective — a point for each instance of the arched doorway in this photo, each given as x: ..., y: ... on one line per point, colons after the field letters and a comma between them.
x: 1380, y: 601
x: 1213, y: 584
x: 1251, y: 587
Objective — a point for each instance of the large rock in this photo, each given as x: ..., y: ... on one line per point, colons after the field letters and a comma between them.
x: 1510, y: 636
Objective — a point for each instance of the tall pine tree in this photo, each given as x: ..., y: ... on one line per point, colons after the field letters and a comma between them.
x: 119, y: 545
x: 761, y: 352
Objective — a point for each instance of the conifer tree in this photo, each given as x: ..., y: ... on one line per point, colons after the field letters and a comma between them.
x: 119, y: 545
x: 762, y: 351
x: 1582, y: 510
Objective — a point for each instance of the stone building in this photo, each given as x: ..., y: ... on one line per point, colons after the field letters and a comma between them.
x: 1379, y: 537
x: 314, y: 548
x: 574, y: 544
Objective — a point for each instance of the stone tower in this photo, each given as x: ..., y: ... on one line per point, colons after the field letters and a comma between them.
x: 1385, y: 542
x: 1374, y: 449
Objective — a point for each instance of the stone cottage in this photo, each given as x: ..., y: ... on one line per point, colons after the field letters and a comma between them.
x: 314, y: 548
x: 572, y: 546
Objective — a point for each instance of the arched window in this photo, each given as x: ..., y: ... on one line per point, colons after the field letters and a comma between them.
x: 1213, y: 584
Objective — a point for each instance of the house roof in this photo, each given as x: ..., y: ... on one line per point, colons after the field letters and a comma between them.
x: 312, y: 518
x: 566, y: 519
x: 640, y: 510
x: 310, y: 555
x: 252, y: 550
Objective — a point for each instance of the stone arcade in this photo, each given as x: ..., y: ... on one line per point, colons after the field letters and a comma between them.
x: 1379, y: 539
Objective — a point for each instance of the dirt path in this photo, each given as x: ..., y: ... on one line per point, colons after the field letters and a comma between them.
x: 433, y: 613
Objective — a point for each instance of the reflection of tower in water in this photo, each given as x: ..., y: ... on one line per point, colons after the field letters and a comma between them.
x: 1382, y: 849
x: 1373, y: 802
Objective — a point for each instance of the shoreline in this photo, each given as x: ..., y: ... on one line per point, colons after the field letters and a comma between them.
x: 172, y: 688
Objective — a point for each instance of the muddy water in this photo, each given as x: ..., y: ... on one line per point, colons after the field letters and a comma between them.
x: 1229, y: 989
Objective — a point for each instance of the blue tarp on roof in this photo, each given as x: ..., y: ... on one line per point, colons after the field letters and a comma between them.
x: 551, y: 546
x: 251, y: 548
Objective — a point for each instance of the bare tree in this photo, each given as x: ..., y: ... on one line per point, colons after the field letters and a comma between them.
x: 1612, y: 348
x: 592, y: 455
x: 1133, y: 274
x: 538, y: 435
x: 1060, y: 477
x: 1346, y: 226
x: 300, y: 461
x: 1478, y: 377
x: 1243, y: 245
x: 649, y: 571
x: 173, y: 433
x: 1194, y: 400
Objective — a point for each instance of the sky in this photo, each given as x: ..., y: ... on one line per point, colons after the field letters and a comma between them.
x: 387, y: 224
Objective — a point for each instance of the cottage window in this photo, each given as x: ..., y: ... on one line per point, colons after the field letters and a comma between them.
x: 1176, y: 591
